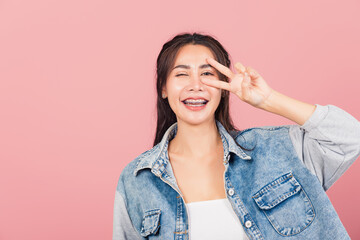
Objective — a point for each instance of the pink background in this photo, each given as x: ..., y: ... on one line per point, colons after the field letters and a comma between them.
x: 77, y: 94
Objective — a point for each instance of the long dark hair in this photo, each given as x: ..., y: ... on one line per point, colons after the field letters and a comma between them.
x: 165, y: 116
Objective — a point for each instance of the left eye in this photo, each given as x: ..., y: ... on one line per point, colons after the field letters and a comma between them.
x: 209, y: 73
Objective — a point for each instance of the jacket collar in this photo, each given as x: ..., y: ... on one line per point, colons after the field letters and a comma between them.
x: 158, y: 157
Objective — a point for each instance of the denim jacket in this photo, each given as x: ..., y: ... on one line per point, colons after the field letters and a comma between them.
x: 277, y: 189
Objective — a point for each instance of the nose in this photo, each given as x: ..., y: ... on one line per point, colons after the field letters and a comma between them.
x: 196, y: 84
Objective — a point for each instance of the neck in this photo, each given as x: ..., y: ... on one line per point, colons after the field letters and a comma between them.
x: 196, y: 141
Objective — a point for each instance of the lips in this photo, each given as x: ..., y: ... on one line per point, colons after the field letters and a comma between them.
x: 195, y: 102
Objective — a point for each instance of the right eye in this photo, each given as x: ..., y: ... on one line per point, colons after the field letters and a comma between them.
x: 181, y: 74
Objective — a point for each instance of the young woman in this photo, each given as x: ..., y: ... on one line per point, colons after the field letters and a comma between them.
x: 205, y: 179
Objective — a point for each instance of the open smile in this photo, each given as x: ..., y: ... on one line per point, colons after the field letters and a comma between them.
x: 195, y: 105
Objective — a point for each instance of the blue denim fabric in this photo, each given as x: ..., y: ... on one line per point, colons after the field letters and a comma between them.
x: 277, y: 189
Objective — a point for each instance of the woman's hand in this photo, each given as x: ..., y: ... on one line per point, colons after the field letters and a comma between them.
x: 247, y: 84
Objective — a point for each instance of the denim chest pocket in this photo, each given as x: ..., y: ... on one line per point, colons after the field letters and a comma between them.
x: 150, y: 223
x: 286, y: 205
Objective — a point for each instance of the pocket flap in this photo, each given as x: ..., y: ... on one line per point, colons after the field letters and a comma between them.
x: 277, y: 191
x: 150, y: 223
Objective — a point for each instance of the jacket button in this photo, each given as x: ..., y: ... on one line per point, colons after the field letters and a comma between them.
x: 231, y: 191
x: 248, y: 224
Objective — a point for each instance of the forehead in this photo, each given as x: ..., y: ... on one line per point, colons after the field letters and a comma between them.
x: 193, y: 54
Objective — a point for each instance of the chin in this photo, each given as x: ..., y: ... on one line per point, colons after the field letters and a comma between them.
x: 196, y: 120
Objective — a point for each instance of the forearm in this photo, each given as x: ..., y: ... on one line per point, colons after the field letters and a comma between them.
x: 288, y: 107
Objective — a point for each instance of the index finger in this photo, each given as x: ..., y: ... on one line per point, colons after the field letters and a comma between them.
x: 223, y: 69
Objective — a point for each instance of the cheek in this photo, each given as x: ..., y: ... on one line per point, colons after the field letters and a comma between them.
x: 174, y: 89
x: 173, y: 94
x: 216, y: 97
x: 215, y: 93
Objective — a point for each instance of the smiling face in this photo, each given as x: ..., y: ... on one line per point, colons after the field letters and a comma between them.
x: 183, y: 85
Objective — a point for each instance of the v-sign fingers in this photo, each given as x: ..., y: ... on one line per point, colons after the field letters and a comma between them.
x: 216, y: 83
x: 239, y: 67
x: 223, y: 69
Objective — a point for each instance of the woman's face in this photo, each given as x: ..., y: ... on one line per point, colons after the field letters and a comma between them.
x: 183, y: 85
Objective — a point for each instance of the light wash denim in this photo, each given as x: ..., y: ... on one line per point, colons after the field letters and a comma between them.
x: 277, y: 190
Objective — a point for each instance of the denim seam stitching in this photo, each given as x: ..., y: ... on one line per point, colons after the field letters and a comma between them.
x: 273, y: 184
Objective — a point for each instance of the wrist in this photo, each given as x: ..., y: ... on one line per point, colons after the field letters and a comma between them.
x: 271, y: 102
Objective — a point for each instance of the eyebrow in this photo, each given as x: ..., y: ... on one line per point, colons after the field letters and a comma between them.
x: 188, y: 67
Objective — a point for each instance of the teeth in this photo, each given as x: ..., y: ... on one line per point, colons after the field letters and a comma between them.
x: 195, y: 101
x: 195, y: 104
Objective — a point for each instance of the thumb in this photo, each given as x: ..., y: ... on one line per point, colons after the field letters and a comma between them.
x: 245, y: 87
x: 247, y: 78
x: 252, y: 72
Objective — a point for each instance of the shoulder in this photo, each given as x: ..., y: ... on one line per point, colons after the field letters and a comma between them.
x: 251, y: 136
x: 143, y: 160
x: 263, y: 130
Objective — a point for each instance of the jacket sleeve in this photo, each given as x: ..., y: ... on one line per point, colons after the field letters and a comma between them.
x: 327, y: 143
x: 123, y: 228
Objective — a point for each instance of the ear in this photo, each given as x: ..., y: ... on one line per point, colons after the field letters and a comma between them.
x: 163, y: 93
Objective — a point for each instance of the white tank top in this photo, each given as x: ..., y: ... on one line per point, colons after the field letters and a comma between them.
x: 214, y: 220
